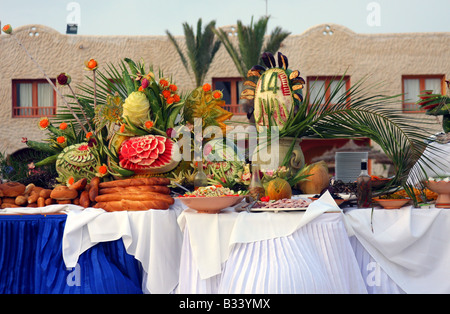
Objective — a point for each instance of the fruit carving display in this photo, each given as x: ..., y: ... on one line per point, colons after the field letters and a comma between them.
x: 147, y: 154
x: 277, y: 90
x: 77, y: 162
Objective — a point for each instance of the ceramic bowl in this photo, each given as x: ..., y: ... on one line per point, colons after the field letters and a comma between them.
x: 391, y: 203
x: 210, y: 205
x: 442, y: 188
x: 338, y: 201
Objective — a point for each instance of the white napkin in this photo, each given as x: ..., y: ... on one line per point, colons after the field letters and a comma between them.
x: 410, y: 245
x: 251, y: 227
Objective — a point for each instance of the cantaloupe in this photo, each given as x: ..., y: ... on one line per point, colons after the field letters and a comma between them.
x: 318, y: 180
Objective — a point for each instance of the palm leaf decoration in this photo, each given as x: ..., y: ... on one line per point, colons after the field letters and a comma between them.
x: 251, y: 43
x: 201, y: 49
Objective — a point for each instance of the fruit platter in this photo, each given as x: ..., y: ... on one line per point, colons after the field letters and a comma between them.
x: 211, y: 199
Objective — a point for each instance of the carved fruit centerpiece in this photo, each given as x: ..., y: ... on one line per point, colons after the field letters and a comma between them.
x: 76, y: 161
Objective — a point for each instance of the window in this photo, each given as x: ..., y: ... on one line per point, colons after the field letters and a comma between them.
x: 231, y: 89
x: 413, y: 85
x: 320, y: 88
x: 33, y: 98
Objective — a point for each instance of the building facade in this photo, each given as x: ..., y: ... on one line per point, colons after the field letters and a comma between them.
x: 404, y: 64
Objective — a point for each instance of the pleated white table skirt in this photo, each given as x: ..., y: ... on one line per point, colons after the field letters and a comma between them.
x: 317, y: 258
x: 376, y: 279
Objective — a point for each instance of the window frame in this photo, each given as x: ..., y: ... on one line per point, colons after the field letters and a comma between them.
x: 328, y: 79
x: 421, y: 78
x: 35, y: 108
x: 235, y: 107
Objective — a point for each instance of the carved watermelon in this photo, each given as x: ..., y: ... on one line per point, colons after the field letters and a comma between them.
x: 147, y: 154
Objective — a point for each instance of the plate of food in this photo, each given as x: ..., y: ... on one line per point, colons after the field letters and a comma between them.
x: 286, y: 204
x: 211, y: 199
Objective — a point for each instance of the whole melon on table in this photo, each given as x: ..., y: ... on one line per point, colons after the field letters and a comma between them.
x: 278, y: 189
x: 148, y: 154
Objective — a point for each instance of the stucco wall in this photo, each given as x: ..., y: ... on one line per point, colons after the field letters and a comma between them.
x: 383, y: 57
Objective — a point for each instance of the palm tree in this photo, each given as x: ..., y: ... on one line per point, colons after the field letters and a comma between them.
x: 201, y: 49
x: 251, y: 43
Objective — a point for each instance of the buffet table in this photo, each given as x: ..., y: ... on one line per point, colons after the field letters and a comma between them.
x: 284, y: 252
x: 64, y: 249
x: 410, y: 245
x: 31, y: 261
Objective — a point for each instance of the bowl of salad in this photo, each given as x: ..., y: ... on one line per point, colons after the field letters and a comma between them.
x: 211, y: 199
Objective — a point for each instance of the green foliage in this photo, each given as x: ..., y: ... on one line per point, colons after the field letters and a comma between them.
x: 201, y: 49
x: 251, y: 43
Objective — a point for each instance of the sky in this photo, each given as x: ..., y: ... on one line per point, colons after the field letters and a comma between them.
x: 155, y: 17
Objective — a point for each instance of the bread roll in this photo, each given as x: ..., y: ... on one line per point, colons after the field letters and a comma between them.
x: 127, y: 205
x: 63, y: 192
x: 136, y: 189
x: 93, y: 188
x: 84, y: 199
x: 143, y: 196
x: 80, y: 184
x: 12, y: 189
x: 135, y: 182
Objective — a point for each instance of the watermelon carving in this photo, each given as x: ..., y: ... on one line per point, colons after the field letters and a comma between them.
x: 147, y: 154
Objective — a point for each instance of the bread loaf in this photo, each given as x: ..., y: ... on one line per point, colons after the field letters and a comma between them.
x: 135, y: 182
x: 136, y: 189
x: 143, y: 196
x: 127, y: 205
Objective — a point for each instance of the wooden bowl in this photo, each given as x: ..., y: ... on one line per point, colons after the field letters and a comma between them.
x: 393, y: 203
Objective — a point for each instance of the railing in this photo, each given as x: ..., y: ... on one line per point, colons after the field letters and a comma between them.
x: 33, y: 112
x: 237, y: 110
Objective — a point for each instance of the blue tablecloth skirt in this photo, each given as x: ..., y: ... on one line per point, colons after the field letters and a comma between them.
x: 31, y: 261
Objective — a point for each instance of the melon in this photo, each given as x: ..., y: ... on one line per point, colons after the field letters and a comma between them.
x: 318, y: 180
x: 278, y: 189
x: 148, y: 154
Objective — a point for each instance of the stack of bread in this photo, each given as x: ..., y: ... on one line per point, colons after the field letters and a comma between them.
x: 134, y: 194
x: 120, y: 195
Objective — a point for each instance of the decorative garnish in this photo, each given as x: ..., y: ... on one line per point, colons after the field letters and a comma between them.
x: 7, y: 29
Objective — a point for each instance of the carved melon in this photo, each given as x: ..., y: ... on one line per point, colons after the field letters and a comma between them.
x: 278, y: 189
x: 147, y: 154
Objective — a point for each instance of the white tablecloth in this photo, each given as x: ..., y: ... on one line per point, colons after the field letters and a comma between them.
x: 285, y: 252
x: 411, y: 245
x: 152, y: 237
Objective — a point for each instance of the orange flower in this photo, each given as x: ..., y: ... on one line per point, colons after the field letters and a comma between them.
x: 170, y: 100
x: 102, y: 170
x: 207, y: 87
x: 63, y: 126
x: 148, y: 124
x: 173, y: 87
x: 166, y: 93
x: 217, y: 94
x: 89, y: 135
x: 122, y: 128
x: 70, y: 181
x: 92, y: 64
x: 141, y: 89
x: 163, y: 83
x: 7, y: 29
x: 61, y: 139
x: 176, y: 97
x: 44, y: 123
